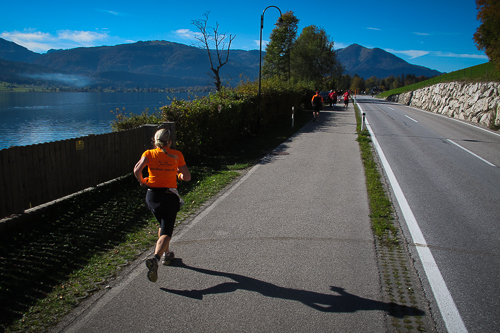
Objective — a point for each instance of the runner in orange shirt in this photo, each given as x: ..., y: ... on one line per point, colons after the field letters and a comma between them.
x: 165, y: 165
x: 317, y: 103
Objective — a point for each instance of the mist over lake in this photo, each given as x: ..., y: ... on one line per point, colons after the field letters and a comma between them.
x: 38, y: 117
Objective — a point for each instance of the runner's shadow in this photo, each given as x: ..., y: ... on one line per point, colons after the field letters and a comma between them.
x: 342, y: 302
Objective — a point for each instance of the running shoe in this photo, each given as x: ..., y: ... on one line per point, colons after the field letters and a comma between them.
x: 152, y: 265
x: 168, y: 257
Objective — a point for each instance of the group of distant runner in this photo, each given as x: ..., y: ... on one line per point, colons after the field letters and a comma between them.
x: 333, y: 96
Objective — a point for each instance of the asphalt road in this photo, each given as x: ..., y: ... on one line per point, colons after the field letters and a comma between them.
x: 286, y: 248
x: 447, y: 182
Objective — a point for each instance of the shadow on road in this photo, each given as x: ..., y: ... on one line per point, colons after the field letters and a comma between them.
x: 342, y: 302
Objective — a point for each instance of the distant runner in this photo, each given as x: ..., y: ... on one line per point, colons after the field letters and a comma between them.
x: 346, y: 99
x: 333, y: 98
x: 317, y: 103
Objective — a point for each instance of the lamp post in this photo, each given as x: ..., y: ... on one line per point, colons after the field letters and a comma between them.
x: 279, y: 23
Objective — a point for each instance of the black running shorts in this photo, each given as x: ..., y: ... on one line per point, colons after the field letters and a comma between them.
x: 164, y: 205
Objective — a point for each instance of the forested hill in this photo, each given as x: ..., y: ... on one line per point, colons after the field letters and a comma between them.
x: 159, y: 58
x: 143, y: 64
x: 162, y: 64
x: 14, y: 52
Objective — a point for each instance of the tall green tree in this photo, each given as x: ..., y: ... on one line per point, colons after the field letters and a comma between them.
x: 277, y: 58
x: 313, y: 57
x: 372, y: 82
x: 487, y: 36
x: 389, y: 82
x: 344, y: 82
x: 357, y: 84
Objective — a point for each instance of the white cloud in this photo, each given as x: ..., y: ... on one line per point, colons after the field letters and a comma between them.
x: 28, y: 35
x: 455, y: 55
x: 339, y: 45
x: 264, y: 43
x: 33, y: 40
x: 411, y: 53
x: 86, y: 38
x: 112, y: 12
x: 419, y: 53
x: 41, y: 41
x: 376, y: 29
x: 187, y: 34
x: 421, y: 33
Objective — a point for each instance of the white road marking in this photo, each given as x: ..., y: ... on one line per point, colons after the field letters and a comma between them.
x: 457, y: 120
x: 475, y: 155
x: 411, y: 118
x: 445, y: 302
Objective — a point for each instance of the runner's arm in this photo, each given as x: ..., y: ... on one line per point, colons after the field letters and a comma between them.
x: 138, y: 170
x: 184, y: 173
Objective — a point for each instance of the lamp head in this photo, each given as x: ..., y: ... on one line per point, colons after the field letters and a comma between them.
x: 280, y: 23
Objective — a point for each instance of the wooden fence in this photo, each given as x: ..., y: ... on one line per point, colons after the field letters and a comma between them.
x: 37, y: 174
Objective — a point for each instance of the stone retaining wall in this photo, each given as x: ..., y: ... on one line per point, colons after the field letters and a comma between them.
x: 474, y: 102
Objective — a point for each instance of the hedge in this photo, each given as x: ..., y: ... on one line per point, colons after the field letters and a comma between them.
x: 214, y: 122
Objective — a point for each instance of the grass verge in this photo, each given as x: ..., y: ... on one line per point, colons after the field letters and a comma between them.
x: 479, y: 73
x: 60, y: 255
x: 381, y: 211
x: 401, y: 287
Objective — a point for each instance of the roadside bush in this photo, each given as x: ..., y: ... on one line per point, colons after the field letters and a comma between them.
x: 213, y: 123
x: 279, y: 97
x: 210, y: 123
x: 126, y: 122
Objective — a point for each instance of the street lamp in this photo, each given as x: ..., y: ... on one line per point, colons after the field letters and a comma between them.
x: 279, y: 24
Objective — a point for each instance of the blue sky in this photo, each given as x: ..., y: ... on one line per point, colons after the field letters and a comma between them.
x: 436, y: 34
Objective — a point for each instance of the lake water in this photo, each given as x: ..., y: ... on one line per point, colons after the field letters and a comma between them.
x: 37, y: 117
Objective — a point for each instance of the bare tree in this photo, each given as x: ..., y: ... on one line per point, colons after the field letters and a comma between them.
x: 211, y: 36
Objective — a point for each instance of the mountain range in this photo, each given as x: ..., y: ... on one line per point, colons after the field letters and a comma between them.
x: 376, y: 62
x: 162, y: 64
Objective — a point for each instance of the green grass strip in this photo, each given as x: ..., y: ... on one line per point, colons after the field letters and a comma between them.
x: 381, y: 210
x: 479, y: 73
